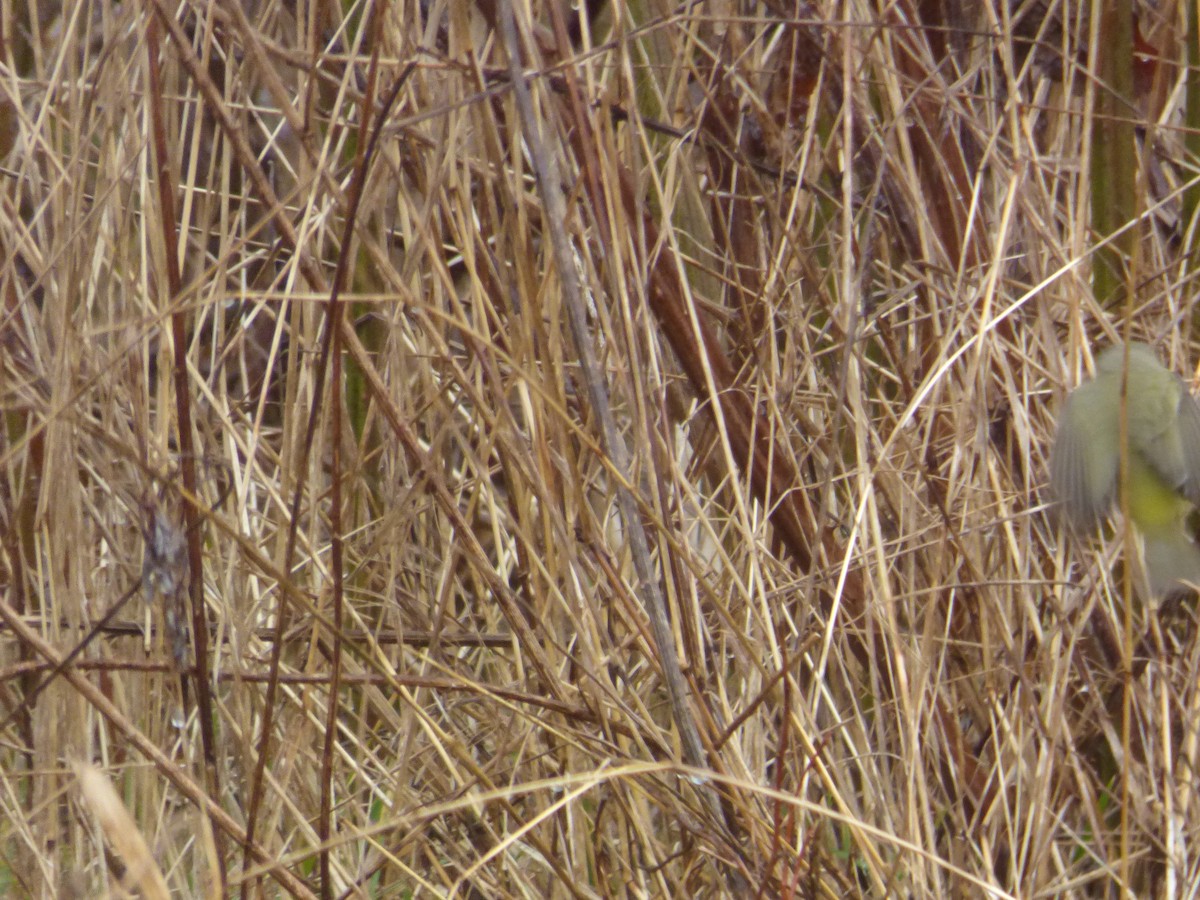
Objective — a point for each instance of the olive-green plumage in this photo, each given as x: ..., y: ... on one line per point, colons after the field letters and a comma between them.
x: 1162, y: 422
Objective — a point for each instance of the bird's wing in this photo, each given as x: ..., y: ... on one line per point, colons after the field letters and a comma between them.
x: 1164, y: 427
x: 1083, y: 462
x: 1189, y: 435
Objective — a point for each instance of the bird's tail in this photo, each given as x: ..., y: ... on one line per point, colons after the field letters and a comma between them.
x: 1172, y: 560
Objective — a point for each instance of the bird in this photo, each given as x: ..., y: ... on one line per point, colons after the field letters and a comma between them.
x: 1162, y: 471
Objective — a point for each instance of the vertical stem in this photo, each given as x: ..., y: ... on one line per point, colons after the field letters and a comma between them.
x: 1114, y: 151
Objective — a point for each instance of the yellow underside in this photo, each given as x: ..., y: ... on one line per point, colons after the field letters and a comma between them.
x: 1153, y: 504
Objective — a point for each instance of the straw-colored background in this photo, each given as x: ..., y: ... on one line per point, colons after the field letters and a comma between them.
x: 835, y: 265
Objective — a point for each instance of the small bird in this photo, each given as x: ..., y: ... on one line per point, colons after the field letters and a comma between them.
x: 1162, y: 425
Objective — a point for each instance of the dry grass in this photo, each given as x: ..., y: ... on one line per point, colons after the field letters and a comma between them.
x: 829, y: 275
